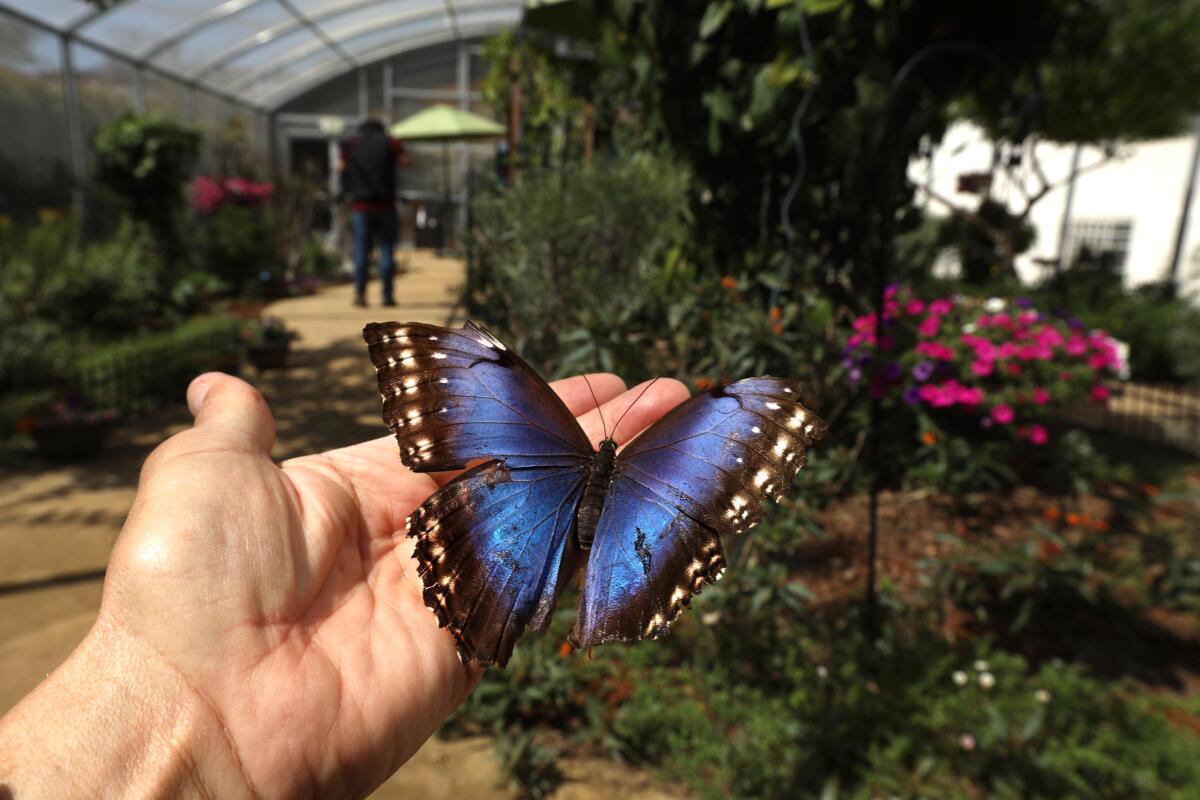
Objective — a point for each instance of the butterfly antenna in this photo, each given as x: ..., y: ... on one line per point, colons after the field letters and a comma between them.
x: 634, y: 403
x: 598, y: 411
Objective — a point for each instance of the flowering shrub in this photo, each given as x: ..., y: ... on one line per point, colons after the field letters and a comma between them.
x: 210, y: 194
x: 66, y: 412
x: 998, y: 365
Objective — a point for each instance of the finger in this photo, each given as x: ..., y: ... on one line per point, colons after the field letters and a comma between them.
x: 230, y: 412
x: 634, y: 413
x: 578, y: 398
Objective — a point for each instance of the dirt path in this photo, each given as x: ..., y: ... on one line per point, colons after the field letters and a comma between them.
x: 60, y: 521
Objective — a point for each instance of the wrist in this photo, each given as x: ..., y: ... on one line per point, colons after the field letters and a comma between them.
x: 117, y: 719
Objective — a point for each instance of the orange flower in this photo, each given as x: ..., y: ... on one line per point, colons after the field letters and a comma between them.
x: 777, y: 328
x: 928, y: 438
x: 704, y: 384
x: 1051, y: 513
x: 1074, y: 519
x: 1099, y: 524
x: 776, y: 314
x: 1149, y: 489
x: 564, y: 649
x: 729, y: 283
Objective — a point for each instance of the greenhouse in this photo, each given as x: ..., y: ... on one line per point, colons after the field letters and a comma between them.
x: 590, y: 399
x: 295, y: 74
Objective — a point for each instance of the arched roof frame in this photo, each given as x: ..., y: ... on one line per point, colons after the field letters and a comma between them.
x: 262, y: 53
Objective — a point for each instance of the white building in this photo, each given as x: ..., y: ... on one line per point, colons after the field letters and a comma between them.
x: 1129, y: 204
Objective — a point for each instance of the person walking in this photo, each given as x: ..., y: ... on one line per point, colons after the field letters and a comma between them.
x: 368, y: 172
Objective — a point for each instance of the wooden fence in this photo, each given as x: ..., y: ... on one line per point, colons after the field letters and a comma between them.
x: 1160, y: 414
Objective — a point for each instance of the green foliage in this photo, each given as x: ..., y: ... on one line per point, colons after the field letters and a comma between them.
x: 52, y: 290
x: 235, y: 243
x: 551, y: 115
x: 1162, y: 330
x: 145, y: 160
x: 531, y: 768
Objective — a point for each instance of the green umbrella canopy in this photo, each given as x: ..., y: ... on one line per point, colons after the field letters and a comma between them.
x: 443, y: 123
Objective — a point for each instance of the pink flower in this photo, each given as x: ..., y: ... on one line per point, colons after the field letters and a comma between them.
x: 1041, y: 396
x: 915, y: 306
x: 1038, y: 435
x: 865, y: 323
x: 940, y: 308
x: 1014, y: 368
x: 981, y: 368
x: 935, y: 350
x: 1100, y: 393
x: 928, y: 392
x: 1002, y: 414
x: 1007, y: 350
x: 1075, y: 346
x: 970, y: 397
x: 929, y: 326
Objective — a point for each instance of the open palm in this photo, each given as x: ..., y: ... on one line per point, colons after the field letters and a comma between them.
x: 286, y: 597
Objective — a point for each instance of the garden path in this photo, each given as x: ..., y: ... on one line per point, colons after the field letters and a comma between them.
x: 58, y: 523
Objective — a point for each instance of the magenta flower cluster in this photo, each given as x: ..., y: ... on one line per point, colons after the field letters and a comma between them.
x: 1000, y: 360
x: 211, y: 193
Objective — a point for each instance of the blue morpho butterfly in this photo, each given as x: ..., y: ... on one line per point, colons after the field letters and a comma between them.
x: 497, y: 544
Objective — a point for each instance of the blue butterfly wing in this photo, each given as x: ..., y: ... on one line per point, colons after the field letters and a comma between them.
x: 453, y: 395
x: 705, y: 469
x: 494, y: 547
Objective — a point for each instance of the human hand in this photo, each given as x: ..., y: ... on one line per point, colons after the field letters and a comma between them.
x: 262, y: 630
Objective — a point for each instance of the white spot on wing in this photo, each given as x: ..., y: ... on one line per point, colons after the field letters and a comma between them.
x: 439, y: 356
x: 773, y: 406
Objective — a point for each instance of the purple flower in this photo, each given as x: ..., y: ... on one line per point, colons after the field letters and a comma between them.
x: 892, y: 372
x: 1024, y: 302
x: 912, y: 395
x: 922, y: 370
x: 986, y: 422
x: 855, y: 375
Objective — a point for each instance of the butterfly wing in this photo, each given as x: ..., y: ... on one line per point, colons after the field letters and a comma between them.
x: 705, y: 468
x: 453, y: 395
x: 493, y: 549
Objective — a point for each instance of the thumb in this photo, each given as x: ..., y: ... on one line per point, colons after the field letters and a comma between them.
x: 231, y: 413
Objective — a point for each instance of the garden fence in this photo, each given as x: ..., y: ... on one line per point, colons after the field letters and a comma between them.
x: 1156, y: 413
x: 141, y: 374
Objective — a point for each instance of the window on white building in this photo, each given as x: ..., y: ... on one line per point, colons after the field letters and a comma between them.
x: 1107, y: 239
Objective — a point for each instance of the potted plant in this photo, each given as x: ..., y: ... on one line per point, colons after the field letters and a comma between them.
x: 269, y: 342
x: 69, y: 429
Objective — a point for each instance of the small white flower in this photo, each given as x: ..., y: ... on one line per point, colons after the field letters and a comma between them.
x: 967, y: 742
x: 1122, y: 357
x: 969, y: 327
x: 822, y: 672
x: 1042, y: 696
x: 706, y: 198
x: 994, y: 305
x: 959, y: 677
x: 981, y: 666
x: 987, y: 680
x: 710, y: 617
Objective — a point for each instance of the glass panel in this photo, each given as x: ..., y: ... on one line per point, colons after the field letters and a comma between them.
x: 338, y: 96
x: 340, y: 24
x: 106, y: 87
x: 393, y: 37
x: 320, y: 10
x: 35, y: 160
x: 168, y: 96
x: 211, y: 114
x: 57, y: 13
x: 233, y: 72
x: 428, y: 68
x: 254, y: 21
x: 487, y: 19
x: 136, y: 26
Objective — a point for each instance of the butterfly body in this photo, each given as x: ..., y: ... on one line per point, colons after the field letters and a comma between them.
x: 591, y: 504
x: 497, y: 545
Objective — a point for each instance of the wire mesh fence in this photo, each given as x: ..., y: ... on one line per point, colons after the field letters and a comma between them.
x: 1160, y: 414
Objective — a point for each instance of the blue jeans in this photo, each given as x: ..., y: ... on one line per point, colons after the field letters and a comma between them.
x: 371, y: 228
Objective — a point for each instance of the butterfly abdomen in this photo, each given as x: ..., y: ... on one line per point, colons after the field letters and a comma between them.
x: 592, y: 502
